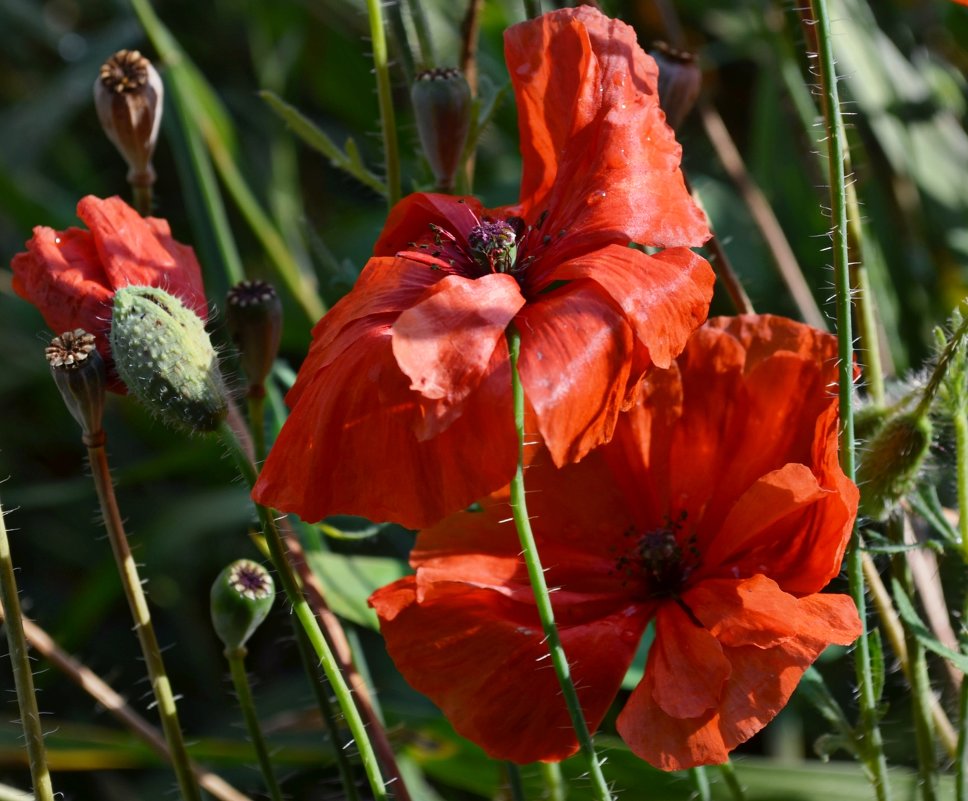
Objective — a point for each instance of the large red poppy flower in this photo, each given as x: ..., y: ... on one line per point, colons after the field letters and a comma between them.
x: 718, y: 511
x: 71, y: 276
x: 402, y: 409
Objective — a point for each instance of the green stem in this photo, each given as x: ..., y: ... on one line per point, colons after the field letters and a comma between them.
x: 728, y: 772
x: 325, y: 705
x: 514, y: 782
x: 960, y: 419
x: 540, y: 587
x: 700, y: 781
x: 257, y: 422
x: 553, y: 781
x: 381, y: 68
x: 917, y: 675
x: 939, y: 373
x: 131, y: 581
x: 532, y: 8
x: 424, y: 40
x: 236, y: 658
x: 872, y: 749
x: 142, y: 198
x: 23, y: 676
x: 304, y: 614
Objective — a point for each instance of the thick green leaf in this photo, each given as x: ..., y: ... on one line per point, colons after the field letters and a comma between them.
x: 350, y: 580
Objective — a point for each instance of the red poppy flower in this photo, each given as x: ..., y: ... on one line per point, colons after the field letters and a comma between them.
x: 718, y: 511
x: 71, y: 276
x: 402, y: 409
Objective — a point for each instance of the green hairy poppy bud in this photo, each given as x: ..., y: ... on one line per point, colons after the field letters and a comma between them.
x: 890, y: 462
x: 253, y: 316
x: 79, y: 373
x: 241, y: 597
x: 128, y: 96
x: 165, y: 358
x: 442, y: 105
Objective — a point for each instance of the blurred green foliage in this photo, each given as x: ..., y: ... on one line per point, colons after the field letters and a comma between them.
x: 902, y: 65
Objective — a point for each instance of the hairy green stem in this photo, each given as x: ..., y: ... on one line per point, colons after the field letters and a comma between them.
x: 23, y: 677
x: 236, y: 659
x: 131, y: 581
x: 321, y: 693
x: 728, y: 772
x: 515, y: 784
x: 700, y: 782
x: 304, y: 614
x: 381, y: 68
x: 540, y: 587
x: 872, y: 748
x: 960, y: 419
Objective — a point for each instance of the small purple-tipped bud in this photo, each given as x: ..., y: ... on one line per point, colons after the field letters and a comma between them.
x: 128, y: 97
x: 442, y: 105
x: 241, y: 597
x: 79, y: 373
x: 253, y: 314
x: 680, y: 80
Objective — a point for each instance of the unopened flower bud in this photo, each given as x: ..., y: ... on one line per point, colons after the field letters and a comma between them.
x: 164, y: 356
x: 680, y: 80
x: 79, y: 373
x: 442, y: 105
x: 128, y: 97
x: 241, y: 597
x: 253, y: 315
x: 890, y: 462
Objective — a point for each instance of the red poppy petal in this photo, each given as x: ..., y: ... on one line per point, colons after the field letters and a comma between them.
x: 140, y: 252
x: 665, y: 297
x: 575, y: 358
x: 411, y: 218
x: 324, y: 461
x: 433, y: 644
x: 753, y: 611
x: 595, y: 146
x: 62, y: 276
x: 686, y: 665
x: 445, y: 341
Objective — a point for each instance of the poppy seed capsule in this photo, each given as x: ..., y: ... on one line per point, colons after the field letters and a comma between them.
x: 128, y: 96
x: 79, y: 373
x: 680, y: 80
x: 241, y: 597
x: 890, y: 462
x: 253, y: 316
x: 442, y: 103
x: 164, y: 356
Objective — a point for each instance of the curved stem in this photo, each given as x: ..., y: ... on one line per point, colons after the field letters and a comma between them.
x: 960, y: 420
x: 23, y: 677
x: 277, y: 552
x: 138, y: 604
x: 700, y: 781
x: 872, y: 749
x: 540, y: 587
x: 728, y: 772
x: 381, y: 68
x: 236, y: 659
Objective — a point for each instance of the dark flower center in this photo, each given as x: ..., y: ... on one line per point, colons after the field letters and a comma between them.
x: 493, y: 245
x: 660, y: 560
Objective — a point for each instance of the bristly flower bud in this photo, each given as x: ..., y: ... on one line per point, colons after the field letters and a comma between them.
x: 164, y: 356
x: 241, y: 597
x: 890, y: 462
x: 128, y: 95
x: 79, y: 373
x: 253, y: 315
x: 442, y: 105
x: 680, y: 80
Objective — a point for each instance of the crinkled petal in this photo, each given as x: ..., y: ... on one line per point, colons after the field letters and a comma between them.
x: 353, y: 444
x: 482, y: 658
x: 445, y: 341
x: 762, y: 676
x: 576, y: 353
x: 665, y: 297
x: 596, y: 149
x: 141, y: 252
